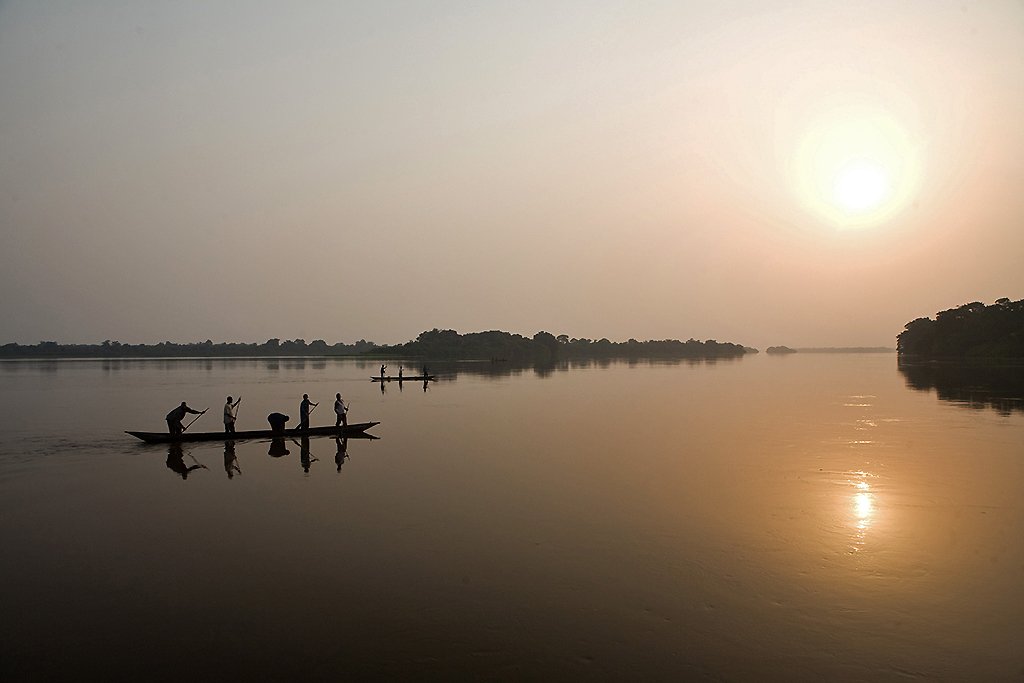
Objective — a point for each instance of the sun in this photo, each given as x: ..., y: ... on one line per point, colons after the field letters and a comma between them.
x: 861, y: 186
x: 855, y: 167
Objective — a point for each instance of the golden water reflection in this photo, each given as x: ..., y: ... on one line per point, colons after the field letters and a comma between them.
x: 863, y: 507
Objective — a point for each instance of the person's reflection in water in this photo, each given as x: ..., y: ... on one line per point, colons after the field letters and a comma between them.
x: 230, y: 459
x: 425, y: 383
x: 304, y: 456
x: 278, y: 448
x: 382, y: 387
x: 176, y: 461
x: 342, y: 454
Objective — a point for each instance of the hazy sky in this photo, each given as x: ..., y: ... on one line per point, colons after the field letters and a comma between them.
x: 802, y: 173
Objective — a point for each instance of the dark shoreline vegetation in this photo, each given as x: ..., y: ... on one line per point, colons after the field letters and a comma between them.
x: 970, y: 331
x: 543, y: 347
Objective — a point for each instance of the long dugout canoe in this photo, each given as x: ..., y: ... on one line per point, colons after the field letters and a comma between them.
x: 410, y: 378
x: 357, y: 429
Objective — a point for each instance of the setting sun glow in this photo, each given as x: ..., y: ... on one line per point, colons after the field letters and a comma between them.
x: 856, y: 167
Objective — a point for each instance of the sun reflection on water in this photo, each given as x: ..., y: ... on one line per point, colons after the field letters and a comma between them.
x: 863, y: 507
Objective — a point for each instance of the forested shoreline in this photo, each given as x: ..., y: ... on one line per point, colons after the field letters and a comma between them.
x: 545, y: 347
x: 433, y: 344
x: 972, y: 330
x: 207, y: 349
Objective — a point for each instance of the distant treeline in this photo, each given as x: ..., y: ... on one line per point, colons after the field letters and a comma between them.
x: 973, y: 330
x: 206, y: 349
x: 847, y: 349
x: 830, y: 349
x: 543, y: 347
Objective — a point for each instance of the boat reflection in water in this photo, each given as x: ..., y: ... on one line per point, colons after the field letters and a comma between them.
x: 183, y: 463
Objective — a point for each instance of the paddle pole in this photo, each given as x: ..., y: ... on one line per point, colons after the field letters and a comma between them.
x: 193, y: 420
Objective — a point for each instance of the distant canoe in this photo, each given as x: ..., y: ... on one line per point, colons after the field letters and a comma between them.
x: 410, y: 378
x: 356, y: 430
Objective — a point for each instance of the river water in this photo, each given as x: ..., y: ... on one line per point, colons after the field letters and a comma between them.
x: 809, y: 517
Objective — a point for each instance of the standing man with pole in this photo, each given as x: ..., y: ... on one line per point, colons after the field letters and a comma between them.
x: 229, y: 415
x: 304, y: 411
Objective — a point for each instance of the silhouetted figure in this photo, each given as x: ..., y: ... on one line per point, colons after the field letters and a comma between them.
x: 229, y: 415
x: 277, y: 421
x: 304, y: 457
x: 342, y: 454
x: 400, y: 370
x: 382, y: 369
x: 340, y: 411
x: 304, y: 409
x: 278, y: 448
x: 176, y: 461
x: 230, y: 459
x: 175, y: 417
x: 425, y: 373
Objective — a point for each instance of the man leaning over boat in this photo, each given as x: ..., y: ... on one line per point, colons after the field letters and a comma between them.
x: 277, y: 422
x: 175, y: 417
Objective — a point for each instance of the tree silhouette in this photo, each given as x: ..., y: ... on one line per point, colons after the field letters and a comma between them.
x: 972, y: 330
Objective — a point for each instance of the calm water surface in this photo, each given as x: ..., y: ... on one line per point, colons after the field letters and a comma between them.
x: 812, y: 517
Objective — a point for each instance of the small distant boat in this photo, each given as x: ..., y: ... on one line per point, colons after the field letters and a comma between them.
x: 407, y: 378
x: 356, y: 430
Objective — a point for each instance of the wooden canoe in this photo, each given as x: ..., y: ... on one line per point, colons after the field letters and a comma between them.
x: 408, y: 378
x: 353, y: 430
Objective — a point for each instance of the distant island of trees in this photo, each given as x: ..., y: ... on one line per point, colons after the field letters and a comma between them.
x: 846, y: 349
x: 544, y: 347
x: 972, y: 330
x: 831, y: 349
x: 779, y: 350
x: 434, y: 344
